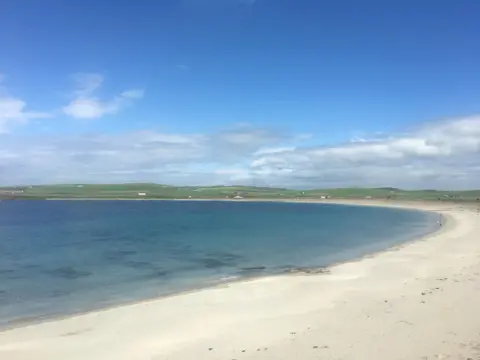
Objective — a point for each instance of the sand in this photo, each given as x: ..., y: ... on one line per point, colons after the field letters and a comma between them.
x: 417, y: 301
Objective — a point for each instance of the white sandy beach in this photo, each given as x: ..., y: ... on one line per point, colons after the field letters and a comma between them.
x: 418, y: 301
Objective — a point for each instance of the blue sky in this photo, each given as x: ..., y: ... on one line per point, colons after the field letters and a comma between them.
x: 280, y: 92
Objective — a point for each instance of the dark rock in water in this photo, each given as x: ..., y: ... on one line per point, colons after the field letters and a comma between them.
x: 32, y: 266
x: 9, y: 274
x: 68, y: 272
x: 6, y: 271
x: 156, y: 273
x: 139, y: 264
x: 118, y: 254
x: 225, y: 256
x: 307, y: 270
x: 253, y: 268
x: 218, y: 260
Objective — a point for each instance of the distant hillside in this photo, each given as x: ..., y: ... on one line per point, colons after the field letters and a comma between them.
x: 159, y: 191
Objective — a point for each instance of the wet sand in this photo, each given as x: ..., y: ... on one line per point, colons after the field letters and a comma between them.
x: 416, y: 301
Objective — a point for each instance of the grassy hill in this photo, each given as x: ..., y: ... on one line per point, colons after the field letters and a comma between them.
x: 159, y: 191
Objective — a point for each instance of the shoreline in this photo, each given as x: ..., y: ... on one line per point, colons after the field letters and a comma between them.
x: 334, y: 200
x: 264, y: 290
x: 291, y: 271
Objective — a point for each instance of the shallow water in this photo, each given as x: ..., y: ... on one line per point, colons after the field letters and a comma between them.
x: 63, y: 257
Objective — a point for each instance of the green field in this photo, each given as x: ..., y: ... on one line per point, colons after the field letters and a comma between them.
x: 158, y: 191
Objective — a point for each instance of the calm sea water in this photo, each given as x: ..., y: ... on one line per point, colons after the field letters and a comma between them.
x: 63, y: 257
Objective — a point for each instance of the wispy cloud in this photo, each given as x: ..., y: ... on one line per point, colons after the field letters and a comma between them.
x: 440, y: 154
x: 437, y: 155
x: 146, y: 155
x: 13, y: 110
x: 85, y: 105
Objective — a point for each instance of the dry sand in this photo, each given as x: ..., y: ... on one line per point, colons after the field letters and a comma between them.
x: 419, y: 301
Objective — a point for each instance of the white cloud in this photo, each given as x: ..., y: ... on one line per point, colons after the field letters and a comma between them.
x: 273, y: 150
x: 138, y: 156
x: 436, y: 155
x: 13, y: 110
x: 86, y: 84
x: 245, y: 139
x: 443, y: 154
x: 233, y: 174
x: 85, y: 105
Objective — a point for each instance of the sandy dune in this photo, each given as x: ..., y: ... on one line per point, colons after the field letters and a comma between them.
x: 416, y: 302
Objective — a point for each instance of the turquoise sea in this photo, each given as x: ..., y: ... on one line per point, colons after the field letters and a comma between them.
x: 64, y: 257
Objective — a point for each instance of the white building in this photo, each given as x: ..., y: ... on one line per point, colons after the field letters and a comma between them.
x: 142, y: 194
